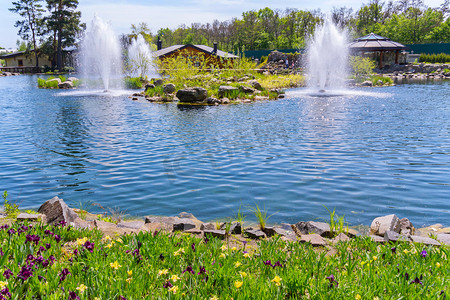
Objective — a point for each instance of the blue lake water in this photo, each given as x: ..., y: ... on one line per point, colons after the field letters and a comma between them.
x: 375, y: 152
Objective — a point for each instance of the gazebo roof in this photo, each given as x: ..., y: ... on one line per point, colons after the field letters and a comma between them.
x: 373, y: 42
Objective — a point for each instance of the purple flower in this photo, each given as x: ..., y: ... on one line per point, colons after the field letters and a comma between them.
x: 423, y: 253
x: 202, y: 271
x: 30, y: 257
x: 155, y: 233
x: 32, y: 239
x: 417, y: 281
x: 75, y: 252
x: 277, y: 264
x: 8, y: 273
x: 4, y: 227
x: 73, y: 296
x: 1, y: 252
x: 167, y: 284
x: 48, y: 232
x: 122, y: 298
x: 406, y: 276
x: 57, y: 238
x: 47, y: 246
x: 63, y: 274
x: 11, y: 231
x: 161, y: 257
x: 139, y: 245
x: 25, y: 273
x: 332, y: 280
x: 41, y: 278
x: 189, y: 270
x: 205, y: 240
x: 89, y: 246
x: 5, y: 292
x: 193, y: 247
x: 62, y: 223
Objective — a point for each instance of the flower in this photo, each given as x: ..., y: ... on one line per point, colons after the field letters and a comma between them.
x: 277, y: 279
x: 406, y: 251
x: 57, y: 238
x: 438, y: 265
x: 214, y: 298
x: 173, y: 289
x: 174, y: 278
x: 89, y: 246
x: 223, y: 248
x: 332, y: 280
x: 193, y: 247
x: 25, y: 273
x: 129, y: 280
x: 63, y: 274
x: 222, y: 255
x: 115, y: 265
x: 243, y: 274
x: 163, y: 272
x: 417, y: 281
x: 238, y: 284
x: 106, y: 238
x: 130, y: 272
x: 247, y: 255
x: 233, y: 249
x: 81, y: 241
x: 376, y: 298
x: 81, y: 288
x: 3, y: 284
x: 8, y: 273
x: 374, y: 258
x: 202, y: 270
x: 423, y: 253
x: 237, y: 264
x: 189, y: 270
x: 5, y: 292
x: 73, y: 295
x: 357, y: 297
x: 178, y: 252
x: 394, y: 249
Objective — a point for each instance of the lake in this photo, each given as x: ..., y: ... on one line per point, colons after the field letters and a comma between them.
x: 373, y: 152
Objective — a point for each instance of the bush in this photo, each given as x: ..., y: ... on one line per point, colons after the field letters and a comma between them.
x: 434, y: 58
x: 133, y: 82
x: 385, y: 80
x: 361, y: 67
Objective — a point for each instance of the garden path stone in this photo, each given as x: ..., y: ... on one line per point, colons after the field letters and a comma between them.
x: 392, y: 236
x: 444, y: 238
x: 255, y: 233
x: 424, y: 240
x: 215, y: 233
x: 314, y: 239
x: 380, y: 225
x: 31, y: 217
x: 320, y: 228
x: 56, y: 210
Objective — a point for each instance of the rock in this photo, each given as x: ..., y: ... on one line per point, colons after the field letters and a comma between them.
x: 286, y: 226
x: 269, y: 231
x: 65, y: 85
x: 109, y: 228
x: 254, y: 233
x: 134, y: 98
x: 138, y: 95
x: 243, y: 79
x: 194, y: 231
x: 215, y: 233
x: 341, y: 237
x: 406, y: 227
x: 314, y: 239
x: 152, y: 227
x: 149, y: 86
x: 157, y: 81
x: 352, y: 232
x: 169, y: 88
x: 72, y: 79
x: 183, y: 224
x: 226, y: 101
x: 246, y: 89
x: 82, y: 224
x: 212, y: 101
x: 392, y: 236
x: 195, y: 94
x: 424, y: 240
x: 31, y: 217
x: 236, y: 228
x: 166, y: 222
x: 377, y: 239
x: 367, y: 83
x: 255, y: 84
x: 226, y: 90
x: 131, y: 224
x: 208, y: 226
x: 277, y: 56
x: 379, y: 82
x: 321, y: 228
x: 382, y: 224
x: 281, y: 96
x: 444, y: 238
x: 56, y: 210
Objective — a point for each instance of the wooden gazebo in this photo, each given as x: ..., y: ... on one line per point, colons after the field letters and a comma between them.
x: 376, y: 43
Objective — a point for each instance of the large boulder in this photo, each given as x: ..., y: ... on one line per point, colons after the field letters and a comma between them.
x: 311, y: 227
x: 255, y: 84
x: 169, y: 88
x: 195, y: 94
x: 56, y: 210
x: 226, y: 90
x: 380, y: 225
x: 65, y: 85
x: 276, y: 56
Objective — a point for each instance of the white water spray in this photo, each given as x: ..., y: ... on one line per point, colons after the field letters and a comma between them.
x: 140, y: 57
x: 327, y: 58
x: 101, y: 62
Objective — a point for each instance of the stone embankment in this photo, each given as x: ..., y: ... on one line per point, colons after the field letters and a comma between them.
x: 420, y: 72
x: 382, y: 230
x: 5, y: 74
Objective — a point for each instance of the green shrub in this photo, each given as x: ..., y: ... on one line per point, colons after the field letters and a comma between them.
x: 133, y: 82
x: 362, y: 67
x: 42, y: 83
x: 434, y: 58
x: 385, y: 80
x: 158, y: 91
x: 11, y: 209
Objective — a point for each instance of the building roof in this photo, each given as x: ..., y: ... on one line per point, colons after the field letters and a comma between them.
x: 373, y: 42
x: 202, y: 48
x: 14, y: 54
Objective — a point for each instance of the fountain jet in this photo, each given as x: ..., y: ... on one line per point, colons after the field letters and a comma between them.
x: 140, y: 57
x: 327, y: 58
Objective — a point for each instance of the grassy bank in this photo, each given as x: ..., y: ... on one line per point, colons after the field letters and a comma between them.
x: 60, y: 262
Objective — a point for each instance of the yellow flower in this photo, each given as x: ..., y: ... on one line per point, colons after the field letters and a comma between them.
x: 119, y: 240
x: 130, y: 272
x: 222, y: 255
x: 97, y: 298
x: 173, y: 289
x: 233, y: 249
x: 82, y: 241
x: 109, y: 245
x: 163, y: 272
x: 243, y: 274
x: 128, y: 280
x: 358, y: 297
x: 214, y: 298
x: 174, y: 278
x: 438, y: 265
x: 178, y: 252
x: 374, y: 258
x: 81, y: 288
x: 405, y: 251
x: 3, y: 284
x: 238, y: 284
x: 247, y: 255
x: 376, y: 298
x: 223, y: 248
x: 237, y: 264
x: 115, y: 265
x: 277, y: 279
x: 106, y: 238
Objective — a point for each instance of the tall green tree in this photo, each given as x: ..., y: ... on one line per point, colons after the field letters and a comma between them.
x: 64, y: 27
x: 29, y: 26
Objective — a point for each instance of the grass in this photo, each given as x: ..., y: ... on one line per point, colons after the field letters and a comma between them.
x: 384, y: 80
x: 261, y: 216
x: 337, y: 223
x: 59, y: 262
x: 11, y: 209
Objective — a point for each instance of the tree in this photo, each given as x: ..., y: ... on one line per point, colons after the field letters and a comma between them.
x: 141, y: 29
x: 64, y: 25
x: 29, y: 27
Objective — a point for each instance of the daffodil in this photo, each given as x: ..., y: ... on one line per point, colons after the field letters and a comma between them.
x: 243, y: 274
x: 173, y: 289
x: 238, y: 284
x: 237, y: 264
x: 163, y: 272
x: 174, y: 278
x: 115, y: 265
x: 81, y: 288
x: 277, y: 280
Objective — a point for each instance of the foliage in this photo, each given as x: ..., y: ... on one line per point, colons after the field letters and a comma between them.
x: 435, y: 58
x: 261, y: 216
x: 337, y: 223
x: 133, y: 82
x: 157, y: 91
x: 11, y: 209
x: 384, y: 80
x: 281, y: 81
x: 60, y: 262
x: 362, y: 67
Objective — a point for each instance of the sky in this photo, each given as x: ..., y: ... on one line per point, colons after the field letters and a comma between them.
x: 161, y: 14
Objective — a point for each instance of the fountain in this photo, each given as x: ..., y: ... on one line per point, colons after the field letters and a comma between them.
x: 101, y: 62
x: 327, y: 59
x: 140, y: 57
